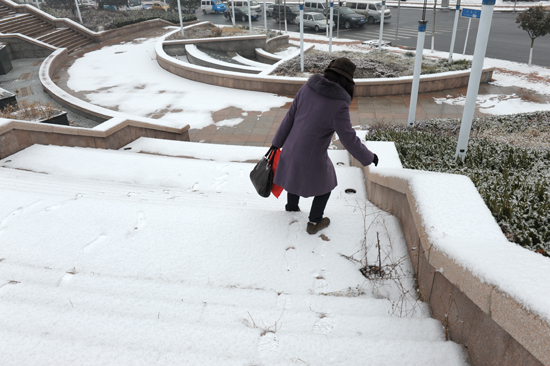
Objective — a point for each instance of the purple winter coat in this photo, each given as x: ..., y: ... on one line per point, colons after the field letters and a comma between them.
x: 320, y: 108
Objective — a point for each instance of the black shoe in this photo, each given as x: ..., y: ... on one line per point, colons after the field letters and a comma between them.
x: 297, y: 209
x: 314, y: 228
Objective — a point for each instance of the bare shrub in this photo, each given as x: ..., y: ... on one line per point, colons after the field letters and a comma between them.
x: 30, y: 111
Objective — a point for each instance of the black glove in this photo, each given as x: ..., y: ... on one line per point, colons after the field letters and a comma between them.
x: 375, y: 160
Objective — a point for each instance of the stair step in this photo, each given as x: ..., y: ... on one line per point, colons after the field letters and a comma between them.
x: 52, y: 35
x: 27, y: 26
x: 79, y: 44
x: 13, y: 21
x: 38, y: 31
x: 58, y: 38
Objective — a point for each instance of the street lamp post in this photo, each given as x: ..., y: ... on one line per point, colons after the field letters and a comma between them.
x: 455, y: 25
x: 482, y: 38
x: 417, y: 65
x: 381, y: 25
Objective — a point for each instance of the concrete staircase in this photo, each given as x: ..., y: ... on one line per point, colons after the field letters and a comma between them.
x: 166, y: 266
x: 34, y: 27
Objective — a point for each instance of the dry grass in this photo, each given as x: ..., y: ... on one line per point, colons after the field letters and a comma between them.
x: 30, y: 111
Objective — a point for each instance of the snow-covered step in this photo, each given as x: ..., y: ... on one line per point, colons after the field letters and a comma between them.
x: 137, y: 257
x: 197, y: 150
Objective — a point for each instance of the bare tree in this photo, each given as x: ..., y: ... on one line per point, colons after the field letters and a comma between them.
x: 536, y: 22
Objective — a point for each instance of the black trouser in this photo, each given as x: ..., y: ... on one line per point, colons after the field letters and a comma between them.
x: 317, y: 207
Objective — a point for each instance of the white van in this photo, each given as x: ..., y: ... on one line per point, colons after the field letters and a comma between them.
x: 213, y: 6
x: 317, y: 6
x: 371, y: 9
x: 254, y: 6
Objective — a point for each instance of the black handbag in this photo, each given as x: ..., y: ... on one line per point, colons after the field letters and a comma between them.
x: 262, y: 174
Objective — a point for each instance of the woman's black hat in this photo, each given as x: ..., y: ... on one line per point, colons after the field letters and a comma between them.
x: 343, y: 66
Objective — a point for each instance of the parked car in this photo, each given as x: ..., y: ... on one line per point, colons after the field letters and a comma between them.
x: 244, y: 4
x: 316, y: 21
x: 348, y: 18
x: 371, y: 9
x: 269, y: 10
x: 213, y: 6
x: 88, y: 4
x: 318, y: 6
x: 160, y: 6
x: 240, y: 14
x: 292, y: 12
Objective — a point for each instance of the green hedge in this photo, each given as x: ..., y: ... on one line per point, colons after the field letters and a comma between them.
x: 512, y: 180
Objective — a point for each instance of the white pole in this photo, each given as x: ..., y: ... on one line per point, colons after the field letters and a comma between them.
x: 381, y: 24
x: 433, y: 28
x: 338, y: 25
x: 467, y: 33
x: 181, y: 20
x: 326, y: 20
x: 286, y: 21
x: 453, y: 37
x: 302, y: 37
x: 249, y: 17
x: 78, y: 10
x: 265, y: 17
x: 330, y: 33
x: 530, y: 56
x: 233, y: 11
x: 416, y: 71
x: 397, y: 26
x: 482, y: 38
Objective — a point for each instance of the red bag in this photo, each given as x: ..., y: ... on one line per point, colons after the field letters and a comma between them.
x: 275, y: 189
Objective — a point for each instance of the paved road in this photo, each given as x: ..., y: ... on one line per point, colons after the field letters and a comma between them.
x: 506, y: 40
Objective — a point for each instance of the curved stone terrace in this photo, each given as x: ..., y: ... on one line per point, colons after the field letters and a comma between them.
x: 246, y: 121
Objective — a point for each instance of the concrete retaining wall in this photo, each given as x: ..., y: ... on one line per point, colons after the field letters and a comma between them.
x: 290, y: 86
x: 244, y: 46
x: 273, y: 43
x: 493, y: 327
x: 21, y: 46
x: 18, y: 135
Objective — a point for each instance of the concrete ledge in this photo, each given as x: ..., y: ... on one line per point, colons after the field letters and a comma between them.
x: 266, y: 57
x: 18, y: 135
x: 21, y: 46
x: 273, y: 43
x: 196, y: 57
x: 243, y: 45
x: 495, y: 327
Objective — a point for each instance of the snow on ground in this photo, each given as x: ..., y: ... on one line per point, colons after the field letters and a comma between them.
x: 134, y: 83
x: 497, y: 104
x: 115, y: 257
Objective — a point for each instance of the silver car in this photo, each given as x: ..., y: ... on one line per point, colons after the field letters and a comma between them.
x: 316, y: 21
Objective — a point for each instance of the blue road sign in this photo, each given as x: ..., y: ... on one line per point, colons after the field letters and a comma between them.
x: 470, y: 13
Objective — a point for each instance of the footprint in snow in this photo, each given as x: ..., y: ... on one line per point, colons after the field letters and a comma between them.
x: 219, y: 182
x: 141, y: 221
x: 11, y: 215
x: 284, y: 301
x: 323, y: 326
x: 268, y: 344
x: 291, y: 257
x: 91, y: 245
